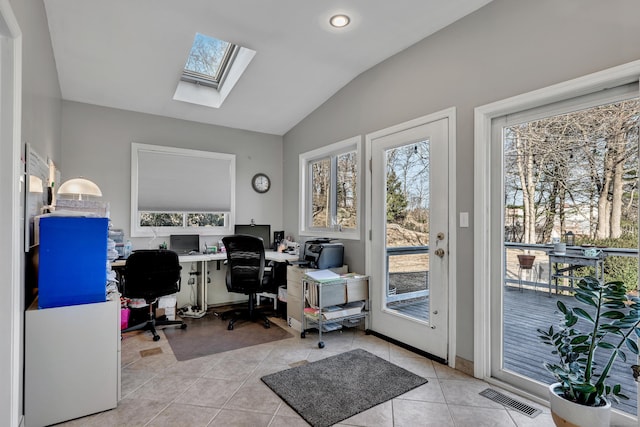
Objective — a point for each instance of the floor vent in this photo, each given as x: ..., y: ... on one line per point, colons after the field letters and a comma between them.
x: 500, y: 398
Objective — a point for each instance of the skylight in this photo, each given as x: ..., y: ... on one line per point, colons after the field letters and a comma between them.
x: 208, y: 61
x: 213, y: 68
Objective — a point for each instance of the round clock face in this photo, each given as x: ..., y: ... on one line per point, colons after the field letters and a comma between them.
x: 261, y: 183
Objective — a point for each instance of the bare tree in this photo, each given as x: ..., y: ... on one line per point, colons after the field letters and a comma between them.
x: 585, y: 161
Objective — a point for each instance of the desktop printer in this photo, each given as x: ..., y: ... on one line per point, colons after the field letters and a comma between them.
x: 322, y: 254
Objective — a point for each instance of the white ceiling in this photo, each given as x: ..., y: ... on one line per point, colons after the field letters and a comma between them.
x: 129, y: 54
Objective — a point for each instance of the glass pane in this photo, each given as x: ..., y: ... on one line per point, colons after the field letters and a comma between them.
x: 567, y: 175
x: 156, y: 219
x: 347, y: 197
x: 407, y: 230
x: 205, y: 220
x: 207, y: 56
x: 320, y: 191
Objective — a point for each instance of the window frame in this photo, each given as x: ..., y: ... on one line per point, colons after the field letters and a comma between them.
x: 146, y: 231
x: 226, y: 63
x: 485, y: 246
x: 331, y: 151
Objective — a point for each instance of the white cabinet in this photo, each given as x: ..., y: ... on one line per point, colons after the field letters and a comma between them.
x: 72, y: 361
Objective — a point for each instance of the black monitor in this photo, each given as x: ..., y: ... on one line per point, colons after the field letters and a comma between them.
x: 263, y: 231
x: 184, y: 243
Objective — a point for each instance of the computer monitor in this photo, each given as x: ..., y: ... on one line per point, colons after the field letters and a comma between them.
x: 263, y: 231
x: 184, y: 243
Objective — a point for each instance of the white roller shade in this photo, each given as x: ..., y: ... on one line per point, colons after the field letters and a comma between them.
x: 176, y: 180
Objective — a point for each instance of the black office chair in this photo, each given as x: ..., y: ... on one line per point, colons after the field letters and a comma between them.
x: 246, y: 274
x: 150, y: 274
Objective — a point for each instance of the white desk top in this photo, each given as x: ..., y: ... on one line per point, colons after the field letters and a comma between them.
x: 221, y: 256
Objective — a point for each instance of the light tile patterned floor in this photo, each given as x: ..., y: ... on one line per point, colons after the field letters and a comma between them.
x: 225, y: 389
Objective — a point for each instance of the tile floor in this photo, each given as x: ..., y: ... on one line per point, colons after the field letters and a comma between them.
x: 225, y: 389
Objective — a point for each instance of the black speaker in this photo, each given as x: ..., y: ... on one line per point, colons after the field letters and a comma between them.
x: 278, y: 236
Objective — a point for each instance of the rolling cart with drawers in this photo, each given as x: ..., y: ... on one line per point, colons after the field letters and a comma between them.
x: 332, y: 301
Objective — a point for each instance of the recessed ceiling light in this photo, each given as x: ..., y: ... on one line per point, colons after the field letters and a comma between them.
x: 339, y: 21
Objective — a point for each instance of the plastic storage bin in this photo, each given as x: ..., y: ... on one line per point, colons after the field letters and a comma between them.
x: 73, y: 256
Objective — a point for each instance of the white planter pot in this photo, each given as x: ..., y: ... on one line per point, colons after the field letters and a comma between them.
x: 568, y: 414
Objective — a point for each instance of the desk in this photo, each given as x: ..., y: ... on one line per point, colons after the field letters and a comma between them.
x: 203, y: 260
x: 573, y: 259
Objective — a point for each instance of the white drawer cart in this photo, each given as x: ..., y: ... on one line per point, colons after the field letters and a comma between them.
x: 340, y: 302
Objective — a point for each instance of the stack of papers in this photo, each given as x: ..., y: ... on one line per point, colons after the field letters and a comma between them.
x: 323, y: 276
x: 338, y: 311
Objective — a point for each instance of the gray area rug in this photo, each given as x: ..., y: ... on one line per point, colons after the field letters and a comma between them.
x: 336, y: 388
x: 209, y: 335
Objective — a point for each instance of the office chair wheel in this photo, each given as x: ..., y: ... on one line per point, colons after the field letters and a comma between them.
x: 156, y: 337
x: 321, y: 344
x: 230, y: 327
x: 183, y: 326
x: 303, y: 335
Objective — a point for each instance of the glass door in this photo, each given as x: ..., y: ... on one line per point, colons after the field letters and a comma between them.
x: 569, y: 208
x: 410, y: 236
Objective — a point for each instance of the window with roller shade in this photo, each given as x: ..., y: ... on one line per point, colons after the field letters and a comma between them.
x: 176, y: 190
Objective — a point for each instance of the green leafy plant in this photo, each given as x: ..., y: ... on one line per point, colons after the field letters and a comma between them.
x: 613, y: 319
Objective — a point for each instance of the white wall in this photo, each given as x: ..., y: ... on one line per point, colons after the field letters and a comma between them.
x: 506, y: 48
x: 41, y: 120
x: 97, y: 145
x: 41, y: 99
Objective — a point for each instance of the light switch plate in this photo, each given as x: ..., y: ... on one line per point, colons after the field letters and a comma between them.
x: 464, y: 219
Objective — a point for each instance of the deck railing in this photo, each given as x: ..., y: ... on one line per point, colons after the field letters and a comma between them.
x: 541, y: 268
x: 392, y: 296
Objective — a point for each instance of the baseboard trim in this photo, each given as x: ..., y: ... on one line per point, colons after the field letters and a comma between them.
x: 464, y: 365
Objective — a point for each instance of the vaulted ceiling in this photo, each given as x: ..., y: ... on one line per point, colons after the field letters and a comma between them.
x: 129, y: 54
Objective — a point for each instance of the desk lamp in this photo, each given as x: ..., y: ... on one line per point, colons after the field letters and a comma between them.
x: 79, y: 187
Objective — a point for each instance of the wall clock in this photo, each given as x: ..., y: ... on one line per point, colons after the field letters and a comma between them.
x: 261, y: 183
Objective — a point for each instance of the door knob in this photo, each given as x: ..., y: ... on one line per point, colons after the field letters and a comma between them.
x: 439, y: 252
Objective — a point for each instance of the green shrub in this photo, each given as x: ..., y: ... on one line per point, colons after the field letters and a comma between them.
x: 617, y: 268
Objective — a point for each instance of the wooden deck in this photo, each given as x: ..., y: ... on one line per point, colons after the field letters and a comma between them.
x: 418, y: 309
x: 524, y: 312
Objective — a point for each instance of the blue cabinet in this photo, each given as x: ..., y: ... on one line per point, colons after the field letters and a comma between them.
x: 73, y: 261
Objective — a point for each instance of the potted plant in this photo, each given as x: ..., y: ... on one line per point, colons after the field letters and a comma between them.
x: 611, y: 320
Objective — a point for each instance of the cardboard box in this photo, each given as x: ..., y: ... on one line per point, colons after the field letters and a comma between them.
x: 332, y: 293
x: 167, y: 301
x: 170, y: 312
x: 357, y: 288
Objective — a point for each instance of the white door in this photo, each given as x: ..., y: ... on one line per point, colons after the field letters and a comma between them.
x: 409, y: 235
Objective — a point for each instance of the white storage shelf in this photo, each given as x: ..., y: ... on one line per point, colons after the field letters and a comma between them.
x: 331, y: 305
x: 72, y: 361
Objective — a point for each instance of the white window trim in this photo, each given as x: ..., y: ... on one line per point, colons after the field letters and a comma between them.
x: 483, y: 244
x: 304, y: 160
x: 137, y: 231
